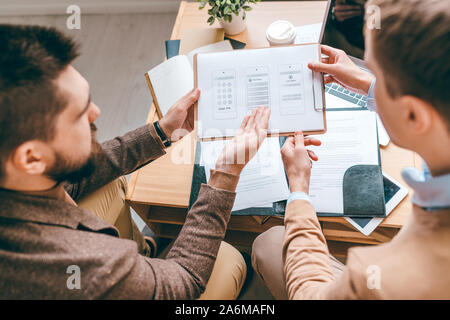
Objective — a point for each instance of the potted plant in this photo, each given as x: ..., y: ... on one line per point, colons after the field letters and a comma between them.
x: 230, y: 13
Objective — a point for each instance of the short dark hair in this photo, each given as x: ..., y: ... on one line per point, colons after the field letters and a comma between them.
x: 413, y: 49
x: 31, y: 58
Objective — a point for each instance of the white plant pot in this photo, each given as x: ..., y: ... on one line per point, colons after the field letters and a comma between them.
x: 236, y: 26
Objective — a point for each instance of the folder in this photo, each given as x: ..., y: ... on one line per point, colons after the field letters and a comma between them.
x: 199, y: 177
x: 362, y: 188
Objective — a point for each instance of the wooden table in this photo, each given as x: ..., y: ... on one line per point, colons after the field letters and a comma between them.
x: 159, y: 192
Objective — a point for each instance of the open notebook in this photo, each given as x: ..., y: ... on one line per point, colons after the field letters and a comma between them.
x: 174, y: 78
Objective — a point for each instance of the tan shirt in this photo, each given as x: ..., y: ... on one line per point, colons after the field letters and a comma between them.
x: 43, y: 235
x: 414, y: 265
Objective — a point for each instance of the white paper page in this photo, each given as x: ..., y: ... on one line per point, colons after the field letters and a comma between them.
x: 171, y: 80
x: 334, y: 102
x: 383, y: 136
x: 262, y: 181
x: 220, y: 46
x: 234, y: 83
x: 308, y: 33
x: 265, y: 205
x: 351, y: 139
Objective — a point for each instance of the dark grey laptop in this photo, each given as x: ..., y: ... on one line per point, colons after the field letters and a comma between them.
x: 342, y: 28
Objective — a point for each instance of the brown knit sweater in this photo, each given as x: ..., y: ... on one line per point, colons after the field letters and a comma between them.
x: 41, y: 236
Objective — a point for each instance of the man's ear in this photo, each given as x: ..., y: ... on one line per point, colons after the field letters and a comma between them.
x: 30, y: 158
x: 419, y: 114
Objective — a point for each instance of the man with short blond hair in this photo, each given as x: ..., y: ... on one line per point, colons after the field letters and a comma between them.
x: 409, y: 56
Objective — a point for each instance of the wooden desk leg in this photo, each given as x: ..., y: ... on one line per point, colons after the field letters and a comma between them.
x: 143, y: 210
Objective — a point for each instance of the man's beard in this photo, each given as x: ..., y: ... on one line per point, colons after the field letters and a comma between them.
x: 65, y: 170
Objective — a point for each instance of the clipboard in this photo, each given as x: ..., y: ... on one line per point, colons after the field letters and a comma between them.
x: 317, y: 96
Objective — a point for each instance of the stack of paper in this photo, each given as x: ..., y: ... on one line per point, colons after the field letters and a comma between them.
x: 308, y: 33
x: 262, y: 181
x: 351, y: 139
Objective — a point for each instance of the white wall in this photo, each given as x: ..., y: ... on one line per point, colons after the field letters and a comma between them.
x: 56, y: 7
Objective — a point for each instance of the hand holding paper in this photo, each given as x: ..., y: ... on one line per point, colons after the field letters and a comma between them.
x: 339, y: 68
x: 179, y: 119
x: 239, y: 150
x: 298, y: 161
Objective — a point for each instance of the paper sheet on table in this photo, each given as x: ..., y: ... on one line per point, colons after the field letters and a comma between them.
x: 220, y: 46
x: 308, y: 33
x: 351, y: 139
x: 262, y: 181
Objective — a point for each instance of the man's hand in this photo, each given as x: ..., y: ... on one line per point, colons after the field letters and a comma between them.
x: 239, y: 150
x: 180, y: 116
x: 298, y: 161
x: 340, y: 69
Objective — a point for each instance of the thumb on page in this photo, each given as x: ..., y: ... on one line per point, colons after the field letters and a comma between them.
x: 321, y: 67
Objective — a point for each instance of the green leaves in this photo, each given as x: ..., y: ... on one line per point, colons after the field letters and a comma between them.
x: 211, y: 20
x: 224, y: 9
x: 202, y: 4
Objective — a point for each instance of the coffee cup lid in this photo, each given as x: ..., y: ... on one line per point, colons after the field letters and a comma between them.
x: 280, y: 31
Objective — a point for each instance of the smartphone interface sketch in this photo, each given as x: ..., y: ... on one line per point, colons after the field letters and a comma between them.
x: 257, y: 87
x: 224, y: 92
x: 291, y: 89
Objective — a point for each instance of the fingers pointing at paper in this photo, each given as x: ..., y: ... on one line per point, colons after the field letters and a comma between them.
x: 244, y: 145
x: 298, y: 160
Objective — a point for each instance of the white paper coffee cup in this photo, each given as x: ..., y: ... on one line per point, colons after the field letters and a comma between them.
x: 280, y: 32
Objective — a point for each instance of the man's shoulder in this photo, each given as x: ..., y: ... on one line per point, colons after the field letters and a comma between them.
x: 363, y: 255
x: 364, y: 267
x: 369, y: 259
x: 392, y: 270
